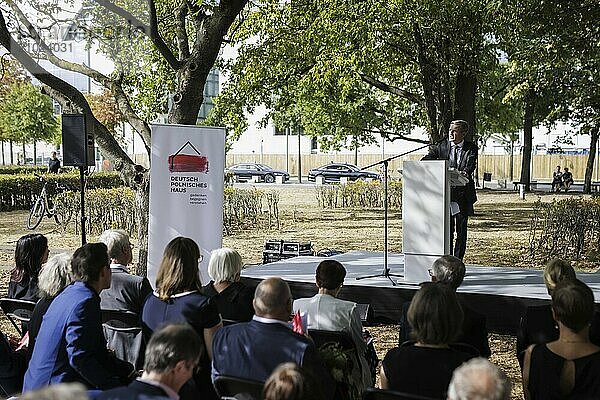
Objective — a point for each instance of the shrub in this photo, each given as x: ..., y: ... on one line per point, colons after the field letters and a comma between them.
x: 115, y: 209
x: 359, y: 194
x: 18, y: 192
x: 105, y: 209
x: 29, y: 169
x: 242, y: 209
x: 569, y: 229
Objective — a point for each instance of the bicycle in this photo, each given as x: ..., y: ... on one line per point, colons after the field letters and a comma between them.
x: 44, y: 206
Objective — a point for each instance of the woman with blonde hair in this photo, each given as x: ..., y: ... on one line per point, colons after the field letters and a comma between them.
x: 232, y: 297
x: 537, y: 324
x: 178, y: 299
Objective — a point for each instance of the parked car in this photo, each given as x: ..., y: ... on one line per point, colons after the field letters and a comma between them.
x: 333, y: 172
x: 245, y: 171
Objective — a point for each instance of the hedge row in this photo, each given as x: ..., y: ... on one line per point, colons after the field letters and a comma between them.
x: 115, y: 209
x: 28, y: 169
x: 567, y: 229
x: 105, y: 209
x: 359, y: 194
x: 18, y: 192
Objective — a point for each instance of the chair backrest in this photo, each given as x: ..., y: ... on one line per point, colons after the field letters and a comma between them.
x: 121, y: 321
x: 229, y: 386
x: 17, y: 310
x: 227, y: 322
x: 463, y: 347
x: 321, y: 337
x: 378, y: 394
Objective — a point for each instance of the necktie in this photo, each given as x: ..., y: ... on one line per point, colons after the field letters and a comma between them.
x: 454, y: 157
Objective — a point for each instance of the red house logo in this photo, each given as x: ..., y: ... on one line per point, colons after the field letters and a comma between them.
x: 188, y: 162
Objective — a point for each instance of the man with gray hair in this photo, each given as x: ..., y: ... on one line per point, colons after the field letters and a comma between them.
x: 450, y: 270
x: 171, y: 356
x: 252, y: 350
x: 479, y: 379
x: 127, y: 292
x: 462, y: 157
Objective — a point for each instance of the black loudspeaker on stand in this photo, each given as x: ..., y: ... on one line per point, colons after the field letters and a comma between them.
x: 386, y: 269
x: 78, y: 151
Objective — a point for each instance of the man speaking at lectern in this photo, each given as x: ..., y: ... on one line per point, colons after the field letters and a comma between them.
x: 462, y: 156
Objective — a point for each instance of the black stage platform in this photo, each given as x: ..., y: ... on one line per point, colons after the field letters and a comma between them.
x: 500, y: 293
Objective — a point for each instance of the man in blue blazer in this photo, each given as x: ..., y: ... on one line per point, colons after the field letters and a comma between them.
x: 462, y: 156
x: 70, y: 345
x: 252, y: 350
x: 171, y: 356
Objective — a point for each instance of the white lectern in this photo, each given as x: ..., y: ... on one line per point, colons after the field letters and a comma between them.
x: 426, y: 215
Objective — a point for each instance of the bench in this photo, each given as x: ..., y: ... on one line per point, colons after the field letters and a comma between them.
x: 532, y: 184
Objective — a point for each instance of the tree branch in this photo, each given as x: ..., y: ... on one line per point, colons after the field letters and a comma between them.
x: 396, y: 136
x: 70, y: 96
x: 181, y: 31
x: 413, y: 97
x: 150, y: 31
x: 59, y: 62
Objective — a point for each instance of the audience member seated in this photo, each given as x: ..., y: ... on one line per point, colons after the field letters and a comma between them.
x: 426, y: 367
x: 479, y: 379
x: 450, y: 270
x: 12, y: 368
x: 567, y: 178
x: 62, y: 391
x: 70, y: 346
x: 232, y: 297
x: 171, y: 356
x: 288, y: 382
x: 567, y: 368
x: 31, y: 252
x: 178, y: 299
x: 126, y: 293
x: 537, y: 324
x: 326, y: 312
x: 54, y: 277
x: 252, y: 350
x: 557, y: 181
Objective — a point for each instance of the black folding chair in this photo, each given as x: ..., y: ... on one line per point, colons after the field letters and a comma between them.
x: 321, y: 337
x: 378, y: 394
x: 463, y: 347
x: 17, y: 310
x: 229, y: 386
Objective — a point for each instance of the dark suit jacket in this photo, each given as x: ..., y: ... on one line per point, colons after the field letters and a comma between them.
x: 473, y: 330
x: 70, y: 346
x: 465, y: 196
x: 126, y: 293
x: 136, y: 390
x: 252, y: 350
x: 234, y: 303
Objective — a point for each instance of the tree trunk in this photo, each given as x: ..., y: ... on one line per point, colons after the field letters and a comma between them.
x: 24, y: 155
x: 12, y: 158
x: 464, y: 101
x: 142, y: 200
x: 34, y: 153
x: 3, y: 161
x: 427, y: 69
x: 589, y: 168
x: 527, y: 139
x: 512, y: 167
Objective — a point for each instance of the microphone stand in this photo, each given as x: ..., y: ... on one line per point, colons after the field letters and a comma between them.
x: 386, y: 270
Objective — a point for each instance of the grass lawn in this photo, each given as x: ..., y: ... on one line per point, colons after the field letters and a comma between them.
x: 498, y: 236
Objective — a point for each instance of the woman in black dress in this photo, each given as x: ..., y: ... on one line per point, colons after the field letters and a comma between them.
x: 537, y: 324
x: 426, y: 367
x: 31, y: 252
x: 567, y: 368
x: 178, y: 299
x: 232, y: 297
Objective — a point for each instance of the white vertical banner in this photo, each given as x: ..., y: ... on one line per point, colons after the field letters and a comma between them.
x: 186, y: 191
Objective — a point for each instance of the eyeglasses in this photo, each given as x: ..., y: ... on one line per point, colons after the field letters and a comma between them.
x: 200, y: 258
x: 430, y: 272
